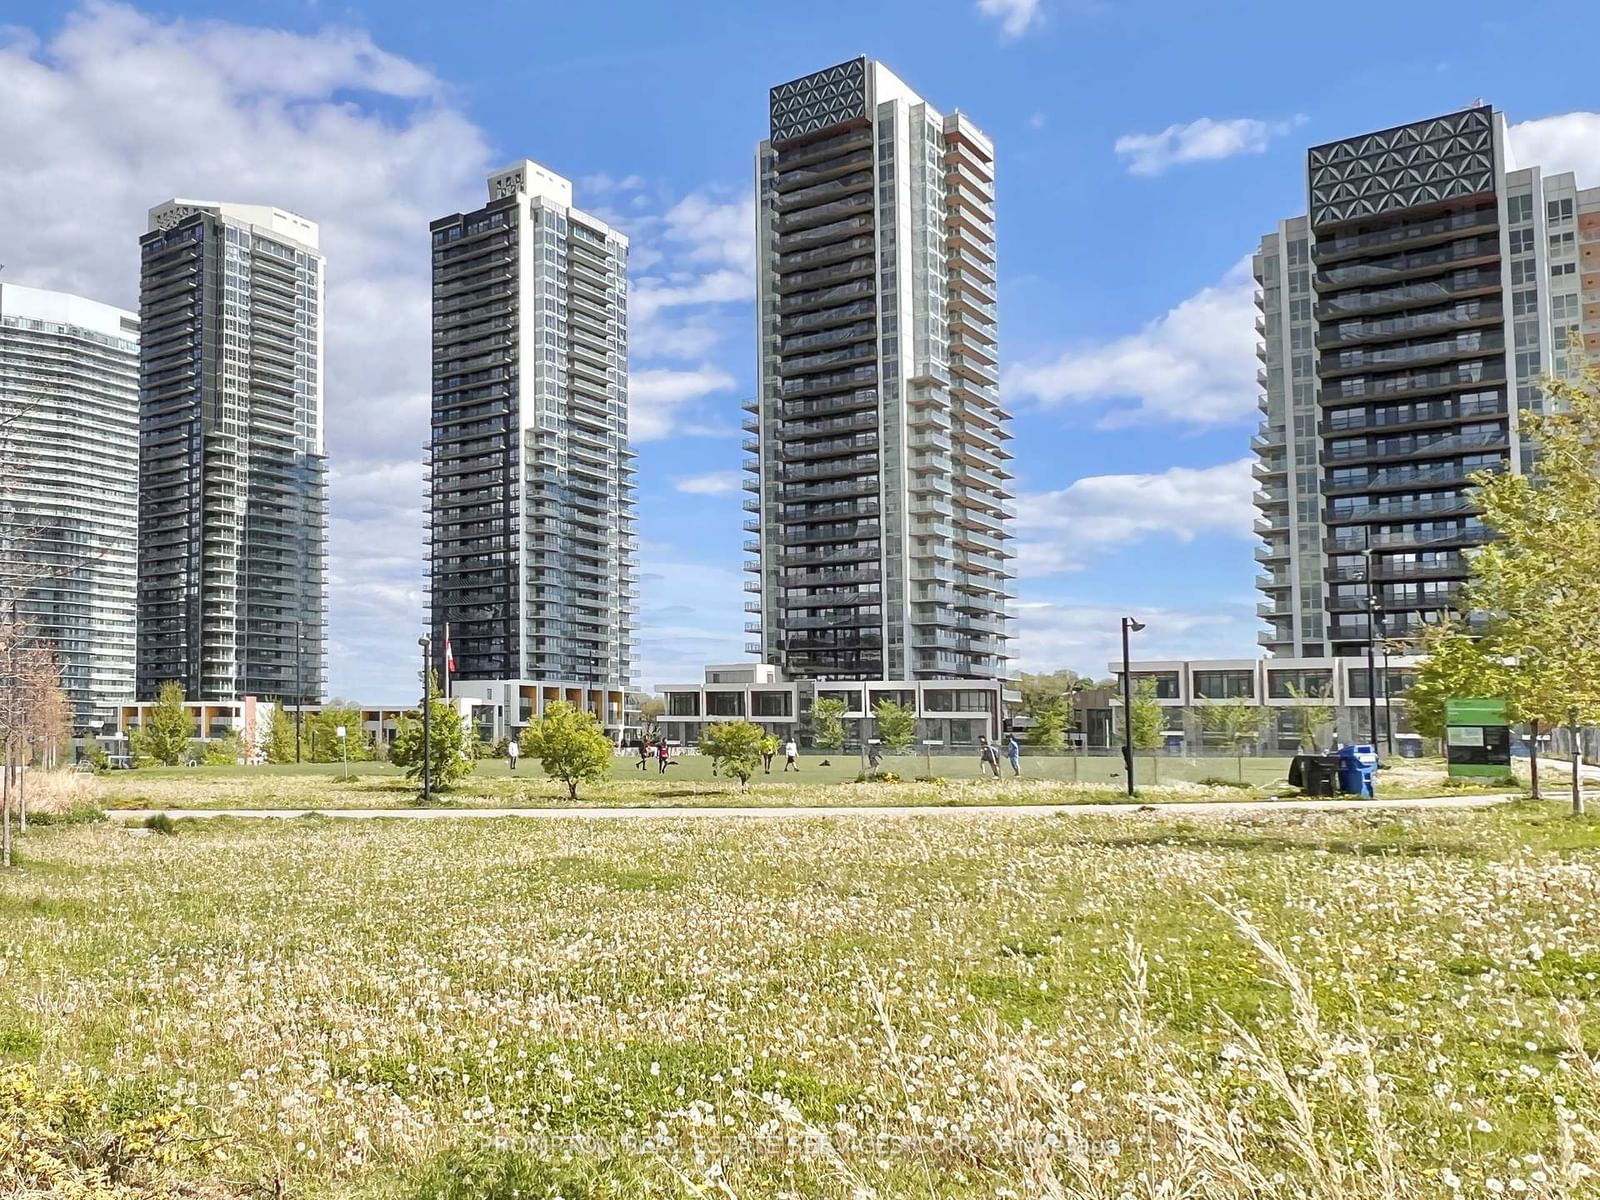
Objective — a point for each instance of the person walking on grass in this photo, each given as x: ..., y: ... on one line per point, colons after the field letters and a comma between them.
x: 1014, y: 754
x: 644, y: 754
x: 791, y: 756
x: 988, y: 758
x: 662, y: 753
x: 512, y: 750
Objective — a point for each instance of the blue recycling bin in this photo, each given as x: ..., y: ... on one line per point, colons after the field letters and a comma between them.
x: 1358, y: 767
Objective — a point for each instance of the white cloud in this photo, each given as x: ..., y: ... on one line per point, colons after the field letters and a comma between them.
x: 658, y: 397
x: 1016, y: 17
x: 707, y: 245
x: 712, y: 483
x: 1085, y: 637
x: 1066, y: 530
x: 1038, y: 120
x: 1569, y: 142
x: 1193, y: 365
x: 1202, y: 140
x: 121, y: 110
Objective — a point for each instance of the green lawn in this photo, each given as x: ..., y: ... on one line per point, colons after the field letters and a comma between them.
x: 901, y: 1008
x: 955, y: 781
x: 826, y: 768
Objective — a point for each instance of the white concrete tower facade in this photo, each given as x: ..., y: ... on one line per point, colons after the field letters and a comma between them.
x: 69, y: 401
x: 879, y: 471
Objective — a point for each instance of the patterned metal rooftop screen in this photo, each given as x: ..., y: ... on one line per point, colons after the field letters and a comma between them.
x: 1424, y: 163
x: 818, y: 101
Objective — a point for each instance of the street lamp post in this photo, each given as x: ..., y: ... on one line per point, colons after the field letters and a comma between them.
x: 299, y: 692
x: 427, y: 723
x: 1372, y: 633
x: 1129, y: 625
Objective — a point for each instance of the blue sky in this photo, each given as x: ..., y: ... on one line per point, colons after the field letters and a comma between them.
x: 1143, y: 148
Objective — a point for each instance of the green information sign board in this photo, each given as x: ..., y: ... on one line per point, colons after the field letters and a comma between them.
x: 1477, y: 739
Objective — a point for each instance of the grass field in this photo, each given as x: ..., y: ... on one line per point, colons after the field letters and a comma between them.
x: 1350, y: 1006
x: 689, y: 781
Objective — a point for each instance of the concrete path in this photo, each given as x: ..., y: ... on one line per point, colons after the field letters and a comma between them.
x: 1225, y: 808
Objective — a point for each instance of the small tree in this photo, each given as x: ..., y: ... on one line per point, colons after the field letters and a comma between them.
x: 164, y: 736
x: 326, y: 745
x: 1457, y: 666
x: 735, y: 748
x: 448, y: 761
x: 1149, y: 722
x: 897, y: 725
x: 1234, y: 722
x: 1313, y: 717
x: 650, y: 714
x: 1539, y: 578
x: 827, y: 718
x: 224, y: 751
x: 278, y: 746
x: 95, y: 754
x: 570, y: 746
x: 1049, y: 725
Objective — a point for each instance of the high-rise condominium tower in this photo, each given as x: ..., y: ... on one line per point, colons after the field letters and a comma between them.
x: 531, y: 491
x: 880, y: 480
x: 232, y: 472
x: 69, y: 477
x: 1404, y: 323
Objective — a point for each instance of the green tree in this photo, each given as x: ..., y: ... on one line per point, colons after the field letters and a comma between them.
x: 1538, y: 581
x: 449, y: 762
x: 650, y: 714
x: 1313, y: 717
x: 1039, y: 690
x: 223, y: 751
x: 570, y: 746
x: 735, y: 748
x: 827, y: 719
x: 1149, y: 721
x: 322, y: 729
x: 897, y: 725
x: 1458, y: 666
x: 95, y: 754
x: 278, y: 747
x: 1233, y: 722
x: 1049, y: 725
x: 164, y: 736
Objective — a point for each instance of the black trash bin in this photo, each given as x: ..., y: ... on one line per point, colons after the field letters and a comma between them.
x: 1315, y: 774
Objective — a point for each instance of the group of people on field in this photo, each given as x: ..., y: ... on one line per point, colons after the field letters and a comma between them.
x: 657, y: 752
x: 989, y: 756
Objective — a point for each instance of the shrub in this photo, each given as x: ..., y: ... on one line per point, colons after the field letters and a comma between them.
x: 878, y: 777
x: 160, y: 823
x: 56, y: 1145
x: 734, y: 748
x: 449, y: 758
x: 164, y: 737
x: 1218, y: 781
x: 78, y: 814
x: 570, y: 746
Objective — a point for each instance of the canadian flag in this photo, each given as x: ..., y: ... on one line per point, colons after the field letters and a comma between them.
x: 449, y: 654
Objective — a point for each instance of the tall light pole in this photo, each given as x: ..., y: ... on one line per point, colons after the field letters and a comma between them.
x: 1129, y: 625
x: 1372, y: 633
x: 427, y: 724
x: 299, y: 692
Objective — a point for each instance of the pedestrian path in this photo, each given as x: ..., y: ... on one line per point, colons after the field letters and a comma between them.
x: 1225, y: 808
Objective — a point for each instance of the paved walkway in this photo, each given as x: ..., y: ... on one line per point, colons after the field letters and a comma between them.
x: 1223, y: 808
